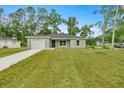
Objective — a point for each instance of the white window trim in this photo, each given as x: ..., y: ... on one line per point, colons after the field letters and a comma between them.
x: 62, y: 44
x: 79, y: 43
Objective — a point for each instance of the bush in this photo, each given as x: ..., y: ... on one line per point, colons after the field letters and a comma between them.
x: 5, y: 47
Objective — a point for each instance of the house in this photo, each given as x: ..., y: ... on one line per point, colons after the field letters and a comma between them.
x: 55, y: 41
x: 9, y: 43
x: 99, y: 43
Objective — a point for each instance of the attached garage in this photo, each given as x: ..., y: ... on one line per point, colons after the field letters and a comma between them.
x: 37, y: 43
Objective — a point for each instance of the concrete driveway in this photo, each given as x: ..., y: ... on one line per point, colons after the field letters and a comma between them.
x: 6, y: 62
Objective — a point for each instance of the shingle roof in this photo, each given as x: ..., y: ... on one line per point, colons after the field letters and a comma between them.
x: 63, y: 36
x: 1, y: 38
x: 56, y: 36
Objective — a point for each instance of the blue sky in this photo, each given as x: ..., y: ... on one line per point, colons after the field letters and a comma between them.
x: 83, y: 13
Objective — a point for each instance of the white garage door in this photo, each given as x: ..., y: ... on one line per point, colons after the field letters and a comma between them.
x: 38, y: 44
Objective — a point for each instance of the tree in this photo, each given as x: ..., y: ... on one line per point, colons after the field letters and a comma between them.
x: 31, y: 22
x: 72, y: 26
x: 105, y: 12
x: 86, y: 31
x: 13, y: 25
x: 91, y: 41
x: 21, y: 18
x: 118, y: 32
x: 42, y: 21
x: 54, y: 20
x: 115, y: 23
x: 116, y: 20
x: 1, y: 21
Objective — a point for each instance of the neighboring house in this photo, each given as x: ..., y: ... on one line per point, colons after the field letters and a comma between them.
x: 9, y: 43
x: 55, y: 41
x: 99, y: 43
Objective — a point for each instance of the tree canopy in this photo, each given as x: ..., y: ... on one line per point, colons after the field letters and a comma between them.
x: 36, y: 21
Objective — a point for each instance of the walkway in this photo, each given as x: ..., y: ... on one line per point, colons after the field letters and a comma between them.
x: 6, y: 62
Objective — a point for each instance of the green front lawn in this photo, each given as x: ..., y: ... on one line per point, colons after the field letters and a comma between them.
x: 67, y: 68
x: 8, y: 51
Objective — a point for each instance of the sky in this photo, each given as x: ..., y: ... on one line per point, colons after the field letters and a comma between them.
x: 83, y: 13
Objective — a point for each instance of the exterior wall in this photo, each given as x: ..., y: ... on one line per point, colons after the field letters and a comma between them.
x: 2, y: 43
x: 73, y: 44
x: 13, y: 44
x: 47, y: 43
x: 50, y: 43
x: 9, y: 44
x: 57, y: 44
x: 68, y: 43
x: 82, y: 43
x: 99, y: 43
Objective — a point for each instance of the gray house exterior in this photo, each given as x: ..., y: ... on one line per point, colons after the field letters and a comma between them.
x: 9, y: 43
x: 55, y: 41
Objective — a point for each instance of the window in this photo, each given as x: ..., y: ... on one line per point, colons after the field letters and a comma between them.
x: 78, y: 42
x: 62, y: 43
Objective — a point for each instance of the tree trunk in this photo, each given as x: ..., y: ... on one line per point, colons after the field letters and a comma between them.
x: 114, y: 25
x: 103, y: 39
x: 103, y: 33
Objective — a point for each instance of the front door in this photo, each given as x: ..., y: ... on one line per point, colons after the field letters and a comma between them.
x: 53, y: 44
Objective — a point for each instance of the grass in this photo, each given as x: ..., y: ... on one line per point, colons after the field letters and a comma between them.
x: 67, y: 68
x: 8, y: 51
